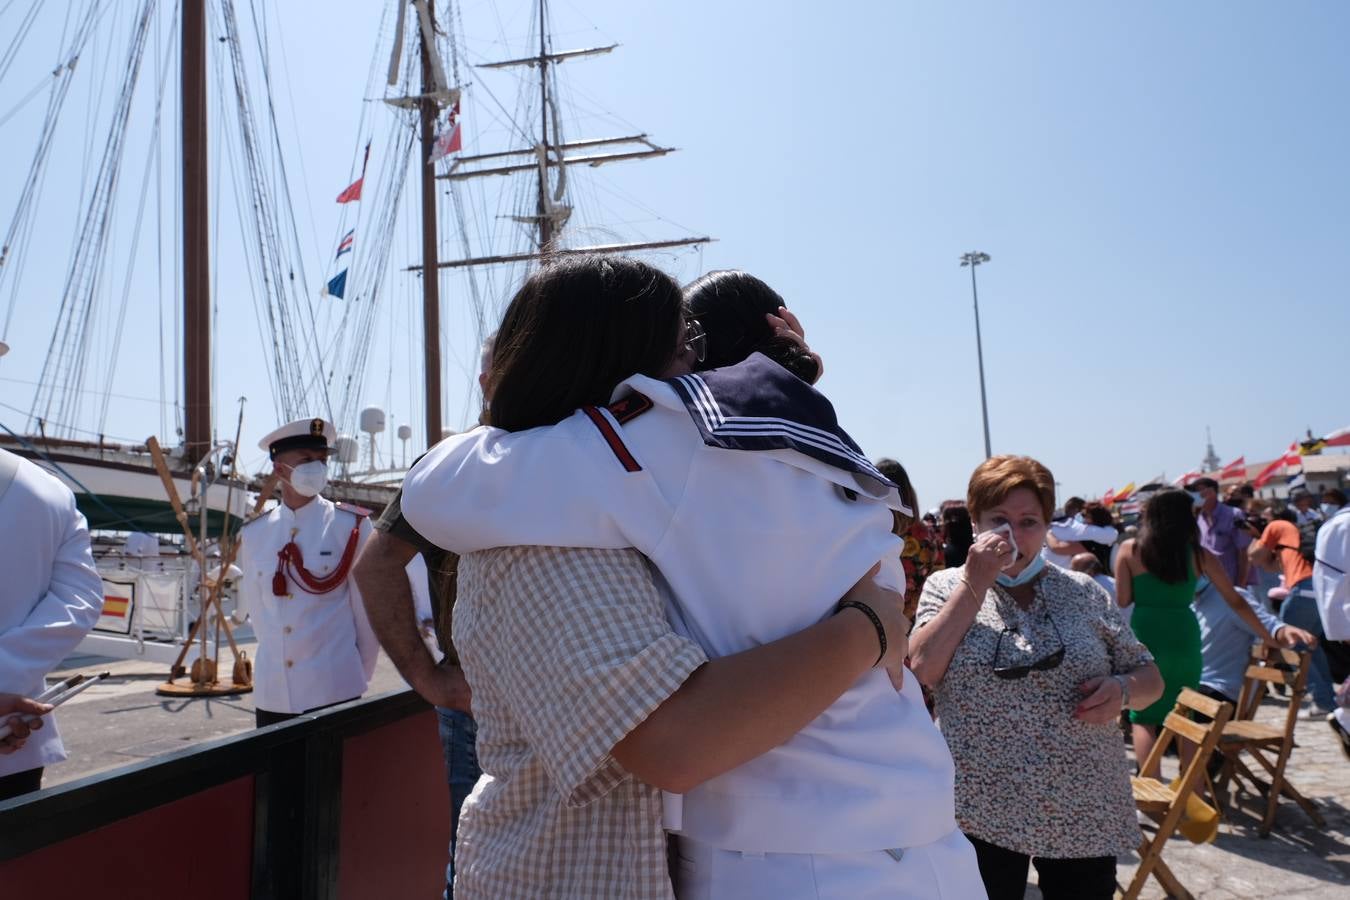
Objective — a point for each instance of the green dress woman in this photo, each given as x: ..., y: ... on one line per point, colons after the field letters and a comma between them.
x: 1165, y: 622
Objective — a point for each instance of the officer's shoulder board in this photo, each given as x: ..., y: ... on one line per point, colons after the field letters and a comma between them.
x: 623, y: 411
x: 253, y: 519
x: 359, y: 511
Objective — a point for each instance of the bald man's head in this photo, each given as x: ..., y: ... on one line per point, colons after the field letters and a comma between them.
x: 1087, y: 563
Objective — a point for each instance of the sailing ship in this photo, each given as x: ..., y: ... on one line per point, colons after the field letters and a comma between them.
x: 316, y: 347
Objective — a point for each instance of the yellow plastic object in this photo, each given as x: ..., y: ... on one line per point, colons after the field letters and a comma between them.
x: 1200, y: 822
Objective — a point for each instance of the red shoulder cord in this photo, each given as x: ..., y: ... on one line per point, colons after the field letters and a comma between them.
x: 290, y: 559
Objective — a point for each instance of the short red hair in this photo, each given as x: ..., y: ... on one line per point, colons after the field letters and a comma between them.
x: 997, y: 477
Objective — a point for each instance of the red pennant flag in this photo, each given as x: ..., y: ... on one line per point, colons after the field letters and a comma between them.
x: 450, y: 140
x: 1290, y: 458
x: 1109, y: 498
x: 1235, y: 469
x: 353, y: 191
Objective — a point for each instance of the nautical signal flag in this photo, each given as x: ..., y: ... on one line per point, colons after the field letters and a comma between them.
x: 1235, y: 469
x: 337, y: 285
x: 353, y: 190
x: 345, y: 245
x: 1182, y: 480
x: 448, y: 141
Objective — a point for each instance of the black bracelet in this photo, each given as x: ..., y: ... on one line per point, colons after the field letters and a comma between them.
x: 876, y: 623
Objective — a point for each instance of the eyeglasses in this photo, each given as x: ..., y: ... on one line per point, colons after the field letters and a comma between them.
x: 1045, y: 664
x: 695, y: 339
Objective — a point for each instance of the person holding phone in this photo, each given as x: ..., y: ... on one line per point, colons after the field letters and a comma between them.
x: 1030, y: 665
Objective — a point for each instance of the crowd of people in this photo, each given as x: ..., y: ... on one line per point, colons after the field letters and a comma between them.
x: 694, y: 642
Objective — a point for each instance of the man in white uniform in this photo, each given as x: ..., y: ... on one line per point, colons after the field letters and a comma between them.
x: 50, y: 596
x: 756, y: 523
x: 315, y: 645
x: 1331, y: 586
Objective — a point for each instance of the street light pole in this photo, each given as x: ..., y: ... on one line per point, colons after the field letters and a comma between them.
x: 973, y: 259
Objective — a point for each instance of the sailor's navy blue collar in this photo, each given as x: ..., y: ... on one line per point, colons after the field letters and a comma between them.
x: 759, y: 405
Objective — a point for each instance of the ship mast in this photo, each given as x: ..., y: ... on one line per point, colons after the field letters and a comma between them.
x: 550, y: 153
x: 431, y: 294
x: 196, y: 244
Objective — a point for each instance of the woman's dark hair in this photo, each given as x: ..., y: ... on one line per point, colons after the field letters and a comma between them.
x: 576, y: 328
x: 958, y: 534
x: 896, y: 473
x: 1169, y: 538
x: 1334, y: 495
x: 1099, y: 515
x: 730, y: 305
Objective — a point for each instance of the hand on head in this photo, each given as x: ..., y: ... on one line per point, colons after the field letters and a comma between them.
x: 786, y: 325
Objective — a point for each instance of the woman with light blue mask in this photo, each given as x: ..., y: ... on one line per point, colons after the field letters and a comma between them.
x: 1030, y: 665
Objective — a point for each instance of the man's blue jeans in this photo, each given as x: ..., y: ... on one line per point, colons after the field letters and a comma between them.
x: 1300, y: 610
x: 459, y: 738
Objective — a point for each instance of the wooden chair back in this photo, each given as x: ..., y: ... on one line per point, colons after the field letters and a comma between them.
x: 1180, y: 728
x: 1267, y: 666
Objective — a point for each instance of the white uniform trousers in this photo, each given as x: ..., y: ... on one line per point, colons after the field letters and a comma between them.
x: 943, y: 870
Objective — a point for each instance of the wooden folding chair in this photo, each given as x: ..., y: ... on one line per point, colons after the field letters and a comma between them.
x: 1244, y: 734
x: 1164, y: 803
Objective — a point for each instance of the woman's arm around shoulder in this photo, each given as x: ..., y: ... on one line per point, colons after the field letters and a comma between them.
x: 1125, y: 570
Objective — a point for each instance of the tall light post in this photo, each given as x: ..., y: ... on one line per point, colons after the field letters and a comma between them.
x: 973, y: 259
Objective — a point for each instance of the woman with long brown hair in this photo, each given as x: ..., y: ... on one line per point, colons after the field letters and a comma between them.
x: 1158, y: 572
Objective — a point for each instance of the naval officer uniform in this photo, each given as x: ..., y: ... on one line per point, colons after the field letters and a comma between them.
x: 759, y: 513
x: 50, y: 597
x: 315, y: 644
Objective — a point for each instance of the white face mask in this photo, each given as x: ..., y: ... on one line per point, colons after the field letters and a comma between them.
x: 308, y: 479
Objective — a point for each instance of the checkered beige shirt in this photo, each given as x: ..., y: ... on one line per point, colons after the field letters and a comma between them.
x: 566, y: 651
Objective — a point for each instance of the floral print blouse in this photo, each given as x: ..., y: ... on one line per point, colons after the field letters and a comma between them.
x: 921, y: 555
x: 1029, y: 776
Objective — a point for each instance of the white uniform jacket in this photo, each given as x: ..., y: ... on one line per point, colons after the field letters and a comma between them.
x: 50, y: 593
x: 752, y: 546
x: 313, y: 649
x: 1331, y: 576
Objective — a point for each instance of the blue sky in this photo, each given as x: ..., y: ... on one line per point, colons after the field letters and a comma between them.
x: 1162, y: 188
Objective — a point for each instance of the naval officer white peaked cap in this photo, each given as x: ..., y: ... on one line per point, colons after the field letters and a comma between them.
x: 310, y: 434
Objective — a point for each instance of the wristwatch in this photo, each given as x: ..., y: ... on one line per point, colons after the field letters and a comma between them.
x: 1124, y: 682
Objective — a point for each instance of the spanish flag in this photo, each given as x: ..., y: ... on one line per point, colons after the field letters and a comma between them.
x: 115, y: 606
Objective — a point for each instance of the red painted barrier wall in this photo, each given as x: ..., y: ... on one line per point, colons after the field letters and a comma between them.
x: 395, y: 812
x: 199, y: 847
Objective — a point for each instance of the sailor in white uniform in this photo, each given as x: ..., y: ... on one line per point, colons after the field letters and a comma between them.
x: 50, y: 597
x: 758, y: 512
x: 315, y: 645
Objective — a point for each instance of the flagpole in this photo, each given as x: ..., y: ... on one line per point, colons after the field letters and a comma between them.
x: 431, y: 294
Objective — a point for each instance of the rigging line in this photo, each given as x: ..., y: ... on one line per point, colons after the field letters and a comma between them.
x: 63, y: 367
x: 152, y: 167
x: 12, y: 52
x: 288, y: 204
x: 265, y: 214
x: 262, y: 306
x: 134, y: 397
x: 106, y: 233
x: 135, y: 243
x: 22, y: 224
